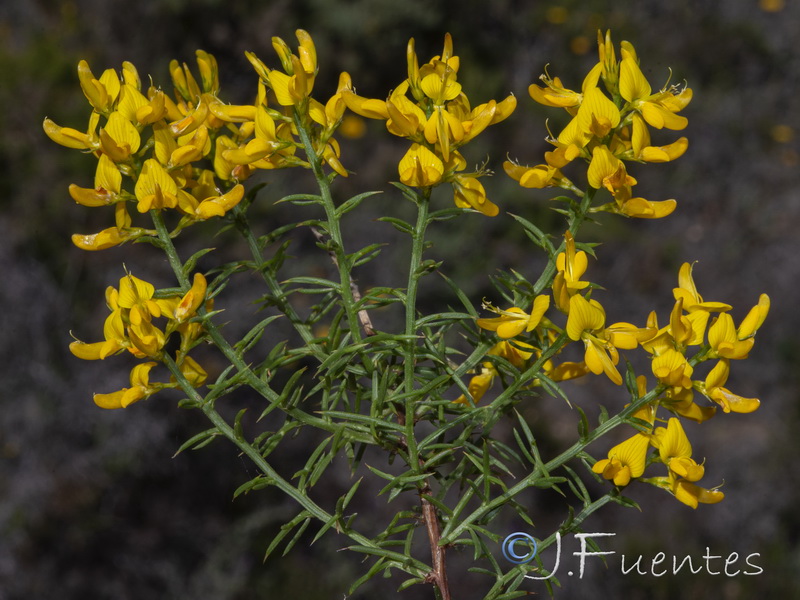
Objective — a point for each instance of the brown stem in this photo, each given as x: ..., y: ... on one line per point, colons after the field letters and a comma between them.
x: 363, y: 315
x: 438, y: 575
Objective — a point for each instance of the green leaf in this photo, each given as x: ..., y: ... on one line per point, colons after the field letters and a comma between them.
x: 603, y: 416
x: 364, y: 255
x: 409, y: 582
x: 577, y: 486
x: 351, y: 492
x: 398, y: 224
x: 409, y: 193
x: 286, y: 528
x: 353, y: 202
x: 427, y: 266
x: 379, y: 473
x: 444, y: 318
x: 301, y: 199
x: 536, y: 235
x: 465, y: 301
x: 322, y: 285
x: 319, y: 455
x: 379, y: 566
x: 256, y: 483
x: 583, y: 425
x: 199, y: 440
x: 404, y: 482
x: 523, y: 446
x: 237, y: 425
x: 191, y: 262
x: 252, y: 336
x: 296, y: 537
x: 625, y: 501
x: 446, y: 214
x: 377, y: 423
x: 443, y: 508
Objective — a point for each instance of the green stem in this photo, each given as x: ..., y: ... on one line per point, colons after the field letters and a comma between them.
x: 169, y: 249
x: 414, y: 274
x: 453, y: 531
x: 253, y: 380
x: 409, y: 564
x: 275, y: 289
x: 334, y: 228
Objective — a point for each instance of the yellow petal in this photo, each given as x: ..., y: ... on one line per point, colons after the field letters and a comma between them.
x: 603, y: 165
x: 632, y: 453
x: 420, y: 167
x: 584, y: 315
x: 632, y: 83
x: 754, y: 318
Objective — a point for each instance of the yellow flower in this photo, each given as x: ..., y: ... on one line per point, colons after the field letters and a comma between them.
x: 155, y: 188
x: 657, y: 109
x: 119, y: 139
x: 675, y: 451
x: 687, y: 291
x: 192, y: 371
x: 728, y: 342
x: 191, y: 301
x: 680, y: 401
x: 536, y: 177
x: 147, y: 339
x: 642, y: 150
x: 597, y: 114
x: 102, y: 93
x: 691, y: 494
x: 714, y: 390
x: 190, y: 148
x: 294, y: 85
x: 608, y: 171
x: 111, y: 236
x: 625, y: 461
x: 420, y: 167
x: 479, y: 384
x: 438, y: 119
x: 570, y: 267
x: 107, y: 238
x: 217, y: 206
x: 608, y: 61
x: 140, y: 388
x: 514, y: 321
x: 555, y: 94
x: 113, y: 329
x: 755, y: 318
x: 137, y: 296
x: 517, y: 353
x: 469, y: 193
x: 586, y: 322
x: 687, y: 492
x: 72, y: 138
x: 672, y: 368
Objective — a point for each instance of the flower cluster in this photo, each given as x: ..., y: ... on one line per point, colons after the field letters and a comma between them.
x: 609, y: 127
x: 131, y: 327
x: 189, y: 153
x: 697, y: 331
x: 671, y: 447
x: 438, y: 120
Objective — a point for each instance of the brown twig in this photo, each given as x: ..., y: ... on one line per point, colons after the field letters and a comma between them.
x: 363, y: 315
x: 438, y: 574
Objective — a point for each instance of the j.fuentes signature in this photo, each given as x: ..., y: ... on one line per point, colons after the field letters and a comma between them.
x: 521, y: 548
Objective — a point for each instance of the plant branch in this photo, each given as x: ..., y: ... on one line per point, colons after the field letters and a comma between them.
x: 334, y: 229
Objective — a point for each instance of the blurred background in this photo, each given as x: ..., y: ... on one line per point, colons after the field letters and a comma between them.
x: 92, y: 505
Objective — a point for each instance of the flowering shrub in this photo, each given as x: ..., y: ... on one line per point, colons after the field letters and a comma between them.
x: 419, y: 395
